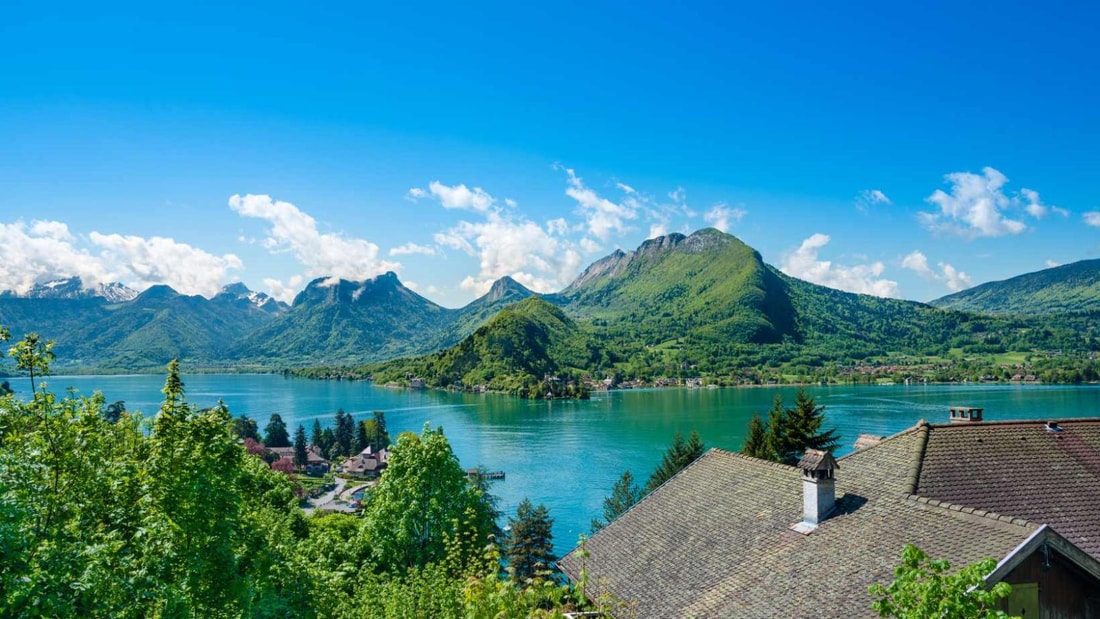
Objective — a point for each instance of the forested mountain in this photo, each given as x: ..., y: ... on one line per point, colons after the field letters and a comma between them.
x: 1062, y: 289
x: 336, y: 321
x: 677, y: 305
x: 527, y: 348
x: 155, y: 327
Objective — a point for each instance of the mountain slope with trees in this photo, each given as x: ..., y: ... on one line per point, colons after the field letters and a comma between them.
x: 516, y: 352
x: 1058, y: 290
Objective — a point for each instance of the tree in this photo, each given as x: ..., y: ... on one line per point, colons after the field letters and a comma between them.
x: 5, y: 389
x: 789, y: 432
x: 374, y: 430
x: 624, y: 494
x: 423, y: 500
x: 924, y: 588
x: 345, y: 433
x: 244, y: 427
x: 114, y: 411
x: 32, y: 355
x: 756, y: 438
x: 301, y: 455
x: 804, y: 426
x: 315, y: 437
x: 677, y: 458
x: 275, y: 434
x: 530, y: 542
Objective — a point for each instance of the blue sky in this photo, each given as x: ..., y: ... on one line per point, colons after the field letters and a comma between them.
x: 896, y: 150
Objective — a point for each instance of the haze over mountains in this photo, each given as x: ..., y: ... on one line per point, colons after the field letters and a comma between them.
x: 708, y: 291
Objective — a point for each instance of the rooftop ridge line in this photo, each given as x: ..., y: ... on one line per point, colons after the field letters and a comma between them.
x: 981, y: 513
x: 912, y: 480
x: 921, y: 424
x: 1005, y: 422
x: 742, y: 456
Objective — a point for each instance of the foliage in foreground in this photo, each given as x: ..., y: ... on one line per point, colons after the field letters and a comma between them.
x: 922, y: 588
x: 172, y: 517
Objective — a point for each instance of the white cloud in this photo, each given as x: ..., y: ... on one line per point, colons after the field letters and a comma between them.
x: 954, y: 279
x: 623, y: 187
x: 1051, y: 264
x: 160, y: 260
x: 415, y: 194
x: 322, y: 254
x: 284, y: 292
x: 721, y: 216
x: 870, y: 197
x: 537, y: 257
x: 657, y: 229
x: 48, y: 250
x: 413, y: 248
x: 510, y: 203
x: 602, y: 216
x: 462, y: 197
x: 803, y: 263
x: 977, y: 206
x: 1092, y: 218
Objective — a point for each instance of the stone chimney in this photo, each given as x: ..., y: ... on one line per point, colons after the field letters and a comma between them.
x: 818, y: 486
x: 965, y: 414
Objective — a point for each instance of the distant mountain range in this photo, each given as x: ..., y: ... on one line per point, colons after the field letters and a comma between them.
x: 705, y: 300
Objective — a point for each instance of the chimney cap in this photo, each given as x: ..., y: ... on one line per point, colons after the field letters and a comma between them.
x: 817, y: 460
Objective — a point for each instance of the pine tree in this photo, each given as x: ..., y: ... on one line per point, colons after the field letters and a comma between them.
x: 624, y: 494
x: 300, y: 453
x: 530, y: 548
x: 362, y: 439
x: 804, y: 427
x: 789, y: 432
x: 756, y: 441
x: 345, y: 432
x: 678, y: 456
x: 316, y: 437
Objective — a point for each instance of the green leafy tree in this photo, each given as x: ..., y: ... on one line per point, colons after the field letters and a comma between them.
x: 245, y: 427
x: 530, y: 544
x: 301, y: 455
x: 924, y: 587
x: 275, y: 434
x: 33, y: 356
x: 114, y: 411
x: 677, y: 457
x: 624, y: 494
x: 422, y: 500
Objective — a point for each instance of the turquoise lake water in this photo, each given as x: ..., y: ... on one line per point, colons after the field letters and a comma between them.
x: 568, y: 454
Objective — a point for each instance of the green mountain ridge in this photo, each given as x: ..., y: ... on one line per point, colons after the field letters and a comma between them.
x: 1068, y: 288
x: 517, y: 351
x: 700, y: 304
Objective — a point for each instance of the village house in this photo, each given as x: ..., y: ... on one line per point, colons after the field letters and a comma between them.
x: 734, y: 536
x: 315, y: 465
x: 367, y: 463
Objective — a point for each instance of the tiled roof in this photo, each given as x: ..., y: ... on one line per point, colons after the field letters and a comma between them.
x: 715, y: 540
x: 1023, y: 469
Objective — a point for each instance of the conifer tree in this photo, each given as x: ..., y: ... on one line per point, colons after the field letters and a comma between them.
x: 624, y: 494
x: 804, y: 427
x: 678, y: 456
x: 300, y: 453
x: 756, y: 441
x: 530, y: 547
x: 316, y: 436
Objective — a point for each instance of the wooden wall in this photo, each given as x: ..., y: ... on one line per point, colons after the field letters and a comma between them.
x: 1065, y: 592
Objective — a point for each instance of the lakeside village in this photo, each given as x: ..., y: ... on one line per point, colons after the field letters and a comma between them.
x: 1039, y: 368
x: 336, y: 469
